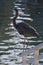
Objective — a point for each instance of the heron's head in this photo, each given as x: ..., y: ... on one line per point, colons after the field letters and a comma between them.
x: 15, y: 17
x: 15, y: 14
x: 16, y: 10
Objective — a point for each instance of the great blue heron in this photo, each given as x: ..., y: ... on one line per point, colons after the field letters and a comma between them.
x: 23, y: 28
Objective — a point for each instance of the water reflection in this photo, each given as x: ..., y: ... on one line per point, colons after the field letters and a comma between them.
x: 11, y: 43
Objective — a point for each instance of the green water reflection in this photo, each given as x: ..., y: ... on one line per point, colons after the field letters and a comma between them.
x: 8, y: 35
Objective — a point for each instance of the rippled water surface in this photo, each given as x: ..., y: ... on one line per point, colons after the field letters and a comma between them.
x: 11, y: 43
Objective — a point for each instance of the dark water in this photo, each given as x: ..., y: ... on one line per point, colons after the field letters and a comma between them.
x: 9, y: 37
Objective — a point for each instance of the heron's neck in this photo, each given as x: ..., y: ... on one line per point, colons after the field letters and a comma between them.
x: 14, y: 19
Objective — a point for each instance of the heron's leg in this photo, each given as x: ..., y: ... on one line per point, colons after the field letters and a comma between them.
x: 25, y: 44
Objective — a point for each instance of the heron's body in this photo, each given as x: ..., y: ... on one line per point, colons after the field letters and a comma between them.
x: 26, y: 30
